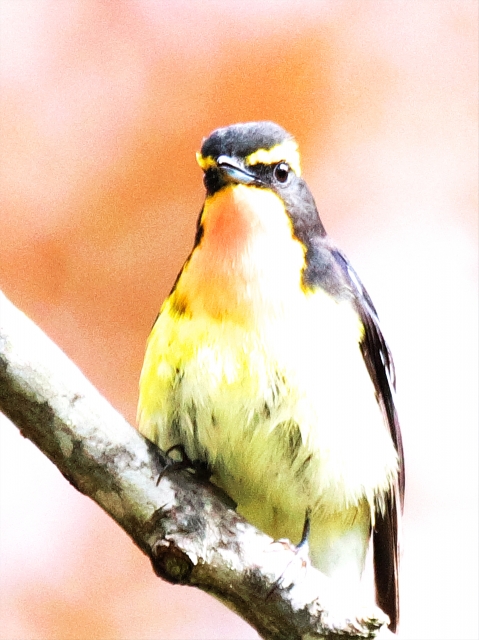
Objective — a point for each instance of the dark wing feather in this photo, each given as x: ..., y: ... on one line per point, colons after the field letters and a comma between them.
x: 379, y: 363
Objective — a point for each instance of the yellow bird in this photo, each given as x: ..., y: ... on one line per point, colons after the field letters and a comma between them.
x: 267, y: 364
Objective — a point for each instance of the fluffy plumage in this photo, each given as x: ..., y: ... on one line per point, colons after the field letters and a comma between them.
x: 268, y: 364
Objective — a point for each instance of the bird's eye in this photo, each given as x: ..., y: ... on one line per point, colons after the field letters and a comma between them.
x: 281, y: 172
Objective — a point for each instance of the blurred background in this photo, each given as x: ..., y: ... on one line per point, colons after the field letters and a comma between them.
x: 103, y: 105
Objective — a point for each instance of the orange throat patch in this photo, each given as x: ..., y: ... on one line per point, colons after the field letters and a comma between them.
x: 248, y: 261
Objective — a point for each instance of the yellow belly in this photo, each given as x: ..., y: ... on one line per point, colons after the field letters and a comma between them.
x: 286, y: 418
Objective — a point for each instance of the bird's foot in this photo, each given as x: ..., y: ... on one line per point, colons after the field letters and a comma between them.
x: 299, y: 563
x: 199, y: 468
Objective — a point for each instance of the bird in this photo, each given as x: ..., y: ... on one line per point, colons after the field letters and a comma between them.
x: 267, y: 365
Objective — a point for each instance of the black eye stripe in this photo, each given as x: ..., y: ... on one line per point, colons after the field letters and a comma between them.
x: 278, y: 173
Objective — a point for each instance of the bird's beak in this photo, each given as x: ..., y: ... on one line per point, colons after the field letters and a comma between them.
x: 233, y: 171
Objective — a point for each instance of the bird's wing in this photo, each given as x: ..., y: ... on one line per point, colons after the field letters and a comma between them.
x: 380, y: 366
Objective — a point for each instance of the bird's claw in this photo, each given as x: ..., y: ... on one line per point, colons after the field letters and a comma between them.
x: 200, y: 469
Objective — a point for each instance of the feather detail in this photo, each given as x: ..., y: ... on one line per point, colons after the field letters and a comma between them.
x: 386, y: 529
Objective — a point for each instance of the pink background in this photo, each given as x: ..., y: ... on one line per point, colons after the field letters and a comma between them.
x: 103, y: 105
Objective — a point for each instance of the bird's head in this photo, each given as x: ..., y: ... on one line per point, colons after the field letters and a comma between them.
x: 259, y: 164
x: 261, y: 154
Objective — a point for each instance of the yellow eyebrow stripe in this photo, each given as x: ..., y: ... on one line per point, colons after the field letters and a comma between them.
x: 286, y: 151
x: 205, y: 163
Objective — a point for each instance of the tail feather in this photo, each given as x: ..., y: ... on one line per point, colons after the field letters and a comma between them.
x: 386, y: 560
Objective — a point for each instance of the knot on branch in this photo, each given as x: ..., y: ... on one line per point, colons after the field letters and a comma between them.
x: 170, y: 563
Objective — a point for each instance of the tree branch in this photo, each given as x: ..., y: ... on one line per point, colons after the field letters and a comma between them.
x: 182, y: 525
